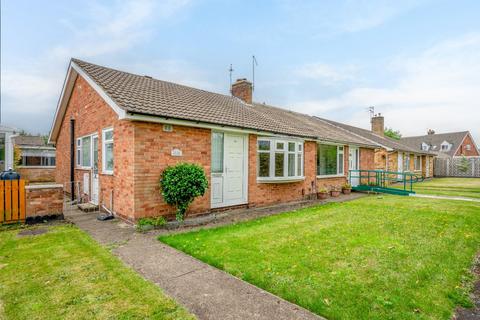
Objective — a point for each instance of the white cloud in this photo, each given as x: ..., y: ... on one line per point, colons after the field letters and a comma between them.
x: 326, y: 18
x: 327, y: 74
x: 437, y: 89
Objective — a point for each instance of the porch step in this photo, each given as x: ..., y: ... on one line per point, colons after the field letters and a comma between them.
x: 88, y: 207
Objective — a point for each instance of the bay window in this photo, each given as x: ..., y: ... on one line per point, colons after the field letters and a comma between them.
x: 107, y: 147
x: 330, y: 160
x: 279, y: 159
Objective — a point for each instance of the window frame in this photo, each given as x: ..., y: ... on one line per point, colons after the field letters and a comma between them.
x: 79, y: 148
x: 417, y: 160
x: 298, y: 159
x: 339, y: 152
x: 104, y: 150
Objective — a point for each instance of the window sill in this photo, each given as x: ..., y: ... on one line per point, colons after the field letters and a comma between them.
x: 83, y: 168
x: 280, y: 180
x: 36, y: 167
x: 107, y: 173
x: 332, y: 176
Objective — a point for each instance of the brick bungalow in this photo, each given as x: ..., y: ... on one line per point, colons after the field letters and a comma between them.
x: 393, y: 155
x: 115, y: 132
x: 451, y: 144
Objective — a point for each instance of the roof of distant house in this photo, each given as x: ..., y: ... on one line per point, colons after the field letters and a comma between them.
x: 381, y: 140
x: 143, y: 95
x: 30, y: 141
x: 435, y: 140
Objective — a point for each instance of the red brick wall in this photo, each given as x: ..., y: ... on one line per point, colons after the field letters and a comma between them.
x: 462, y: 150
x: 37, y: 174
x: 44, y: 200
x: 92, y: 114
x: 153, y: 149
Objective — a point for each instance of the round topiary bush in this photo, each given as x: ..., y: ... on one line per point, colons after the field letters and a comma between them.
x: 181, y: 184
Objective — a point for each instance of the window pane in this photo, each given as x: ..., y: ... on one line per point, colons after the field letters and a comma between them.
x: 291, y: 146
x: 280, y: 146
x: 291, y: 164
x: 217, y: 152
x: 109, y: 156
x: 327, y: 160
x: 279, y: 161
x: 300, y: 147
x: 299, y: 165
x: 86, y: 151
x: 264, y: 164
x: 109, y: 135
x: 263, y: 145
x: 340, y: 163
x: 79, y: 157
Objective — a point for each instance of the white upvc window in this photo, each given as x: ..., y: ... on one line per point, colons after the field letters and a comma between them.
x: 84, y: 152
x: 330, y: 160
x: 425, y: 146
x: 279, y: 159
x: 107, y: 151
x: 468, y: 147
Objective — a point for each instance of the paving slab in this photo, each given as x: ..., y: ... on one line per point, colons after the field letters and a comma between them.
x: 205, y: 291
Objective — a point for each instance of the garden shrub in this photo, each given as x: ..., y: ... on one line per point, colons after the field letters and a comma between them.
x: 155, y: 222
x: 181, y: 184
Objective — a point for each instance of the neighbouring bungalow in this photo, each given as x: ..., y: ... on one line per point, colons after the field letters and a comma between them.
x: 393, y: 155
x: 451, y: 144
x: 115, y: 132
x: 37, y: 158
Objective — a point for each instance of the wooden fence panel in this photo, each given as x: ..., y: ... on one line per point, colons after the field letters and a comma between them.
x: 8, y: 200
x: 12, y: 201
x: 23, y: 201
x: 2, y: 193
x: 15, y: 203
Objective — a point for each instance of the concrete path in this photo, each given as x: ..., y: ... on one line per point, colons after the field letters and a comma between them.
x: 205, y: 291
x: 444, y: 197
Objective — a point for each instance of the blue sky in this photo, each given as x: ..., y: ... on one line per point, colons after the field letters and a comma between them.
x: 417, y: 62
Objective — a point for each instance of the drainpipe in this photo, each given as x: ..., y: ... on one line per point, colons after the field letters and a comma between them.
x: 72, y: 157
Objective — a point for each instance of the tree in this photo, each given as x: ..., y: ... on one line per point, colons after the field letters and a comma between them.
x: 181, y: 184
x: 391, y: 133
x: 463, y: 166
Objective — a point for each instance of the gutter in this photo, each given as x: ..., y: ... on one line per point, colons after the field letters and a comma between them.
x: 209, y: 125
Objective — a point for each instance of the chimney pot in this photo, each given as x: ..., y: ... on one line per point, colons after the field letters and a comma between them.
x: 430, y: 131
x: 242, y: 89
x: 378, y: 124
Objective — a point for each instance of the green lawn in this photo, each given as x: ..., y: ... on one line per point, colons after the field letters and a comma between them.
x: 385, y: 257
x: 457, y: 187
x: 65, y: 274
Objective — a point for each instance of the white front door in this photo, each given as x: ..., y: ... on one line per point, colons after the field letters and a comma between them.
x: 400, y: 165
x: 353, y: 164
x: 229, y: 169
x: 94, y: 195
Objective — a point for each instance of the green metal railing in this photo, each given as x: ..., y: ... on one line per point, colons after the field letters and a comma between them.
x: 380, y: 180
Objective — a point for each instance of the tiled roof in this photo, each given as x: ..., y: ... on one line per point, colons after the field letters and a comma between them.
x: 35, y: 141
x: 145, y: 95
x: 384, y: 141
x: 435, y: 140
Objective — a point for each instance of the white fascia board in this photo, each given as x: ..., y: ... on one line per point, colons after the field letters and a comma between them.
x: 196, y: 124
x: 119, y: 111
x: 73, y: 71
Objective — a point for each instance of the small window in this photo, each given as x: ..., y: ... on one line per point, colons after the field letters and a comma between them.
x: 79, y: 152
x: 86, y: 151
x: 418, y: 163
x: 107, y: 148
x: 217, y: 152
x: 468, y: 147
